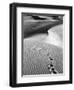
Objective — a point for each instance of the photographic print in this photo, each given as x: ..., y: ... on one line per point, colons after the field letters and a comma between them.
x: 40, y: 44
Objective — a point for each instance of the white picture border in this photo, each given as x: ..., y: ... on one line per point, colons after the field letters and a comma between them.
x: 43, y: 78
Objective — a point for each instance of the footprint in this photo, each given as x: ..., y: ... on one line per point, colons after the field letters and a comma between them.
x: 51, y: 66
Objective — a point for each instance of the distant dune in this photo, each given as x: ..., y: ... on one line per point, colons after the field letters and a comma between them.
x: 32, y: 26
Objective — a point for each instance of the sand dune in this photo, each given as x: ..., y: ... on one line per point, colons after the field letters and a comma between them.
x: 36, y: 49
x: 42, y: 45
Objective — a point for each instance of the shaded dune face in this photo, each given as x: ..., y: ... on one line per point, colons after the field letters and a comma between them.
x: 33, y: 26
x: 37, y: 50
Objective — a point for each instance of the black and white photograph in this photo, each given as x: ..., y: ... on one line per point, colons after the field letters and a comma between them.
x: 40, y: 44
